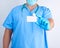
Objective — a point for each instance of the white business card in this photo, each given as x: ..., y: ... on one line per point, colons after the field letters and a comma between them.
x: 31, y: 18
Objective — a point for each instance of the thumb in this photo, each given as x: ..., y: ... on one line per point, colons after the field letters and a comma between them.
x: 34, y: 14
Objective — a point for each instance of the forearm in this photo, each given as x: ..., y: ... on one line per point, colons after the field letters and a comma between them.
x: 51, y: 23
x: 6, y: 38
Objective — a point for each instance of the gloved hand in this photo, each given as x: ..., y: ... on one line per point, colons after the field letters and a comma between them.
x: 43, y: 23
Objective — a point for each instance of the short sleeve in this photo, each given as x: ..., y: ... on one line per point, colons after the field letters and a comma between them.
x: 47, y: 13
x: 8, y: 23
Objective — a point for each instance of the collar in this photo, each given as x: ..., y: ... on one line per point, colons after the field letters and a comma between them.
x: 33, y: 11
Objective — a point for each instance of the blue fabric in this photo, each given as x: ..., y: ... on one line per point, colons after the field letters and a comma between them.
x: 26, y: 34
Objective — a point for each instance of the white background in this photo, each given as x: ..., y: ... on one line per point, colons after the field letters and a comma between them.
x: 54, y: 5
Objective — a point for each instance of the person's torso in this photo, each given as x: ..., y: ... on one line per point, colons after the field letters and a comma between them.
x: 26, y: 34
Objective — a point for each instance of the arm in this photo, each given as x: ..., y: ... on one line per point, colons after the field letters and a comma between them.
x: 51, y: 23
x: 7, y: 38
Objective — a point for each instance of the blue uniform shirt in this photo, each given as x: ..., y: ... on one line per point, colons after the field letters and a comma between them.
x: 27, y: 34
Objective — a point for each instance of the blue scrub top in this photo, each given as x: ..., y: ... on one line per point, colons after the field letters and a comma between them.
x: 27, y: 34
